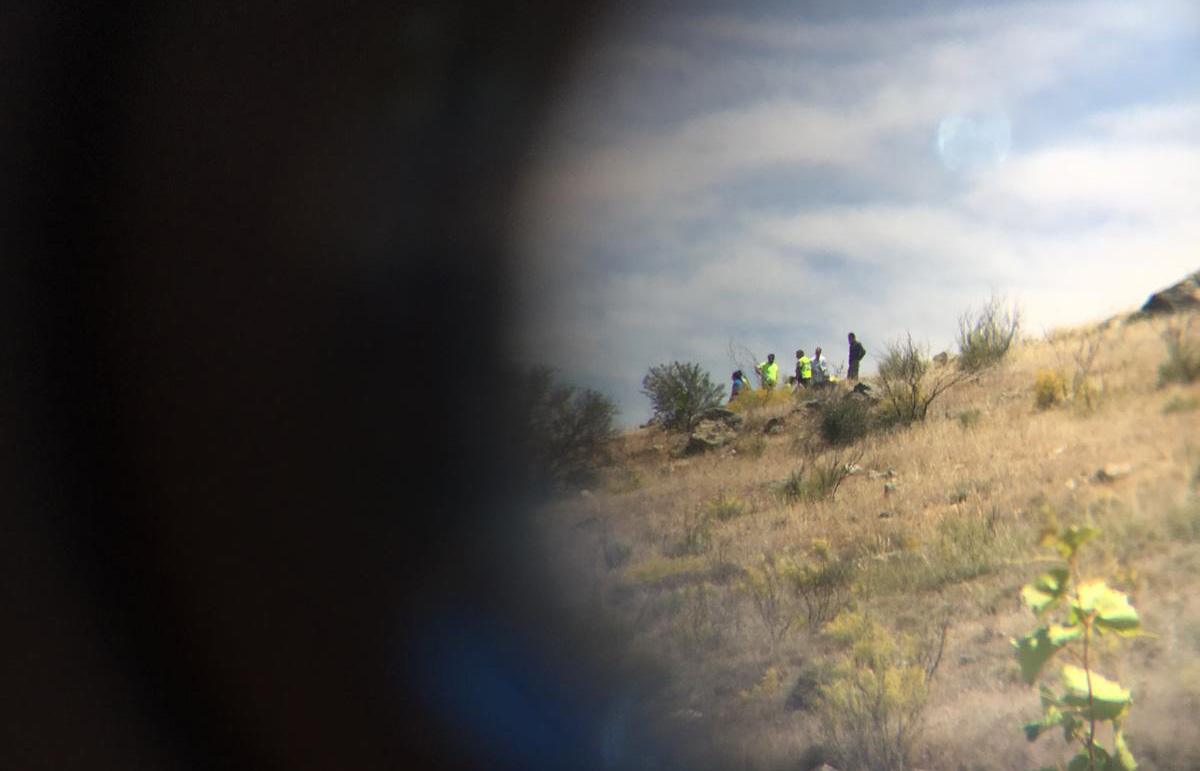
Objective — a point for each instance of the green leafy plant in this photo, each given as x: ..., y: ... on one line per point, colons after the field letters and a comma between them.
x: 679, y: 392
x: 985, y: 337
x: 1073, y: 613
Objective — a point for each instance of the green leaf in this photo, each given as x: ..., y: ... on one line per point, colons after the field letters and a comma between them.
x: 1124, y: 756
x: 1034, y: 650
x: 1111, y: 609
x: 1082, y: 762
x: 1052, y: 717
x: 1045, y: 590
x: 1073, y: 537
x: 1108, y: 699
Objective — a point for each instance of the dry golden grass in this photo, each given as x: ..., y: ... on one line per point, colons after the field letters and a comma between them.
x: 939, y: 523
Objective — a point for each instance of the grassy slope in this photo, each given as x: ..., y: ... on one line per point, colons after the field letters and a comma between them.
x: 965, y: 504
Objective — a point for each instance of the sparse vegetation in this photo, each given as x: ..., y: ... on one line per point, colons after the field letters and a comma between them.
x: 910, y: 382
x: 985, y: 337
x: 820, y: 476
x: 738, y: 566
x: 726, y: 507
x: 1049, y: 389
x: 1182, y: 338
x: 1181, y: 403
x: 679, y: 392
x: 871, y: 711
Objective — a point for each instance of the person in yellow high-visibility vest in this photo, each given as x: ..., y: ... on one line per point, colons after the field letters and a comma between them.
x: 803, y: 369
x: 768, y: 372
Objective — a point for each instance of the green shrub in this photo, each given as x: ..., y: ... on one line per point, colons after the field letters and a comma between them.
x: 845, y: 420
x: 823, y: 585
x: 984, y: 338
x: 820, y: 476
x: 568, y: 432
x: 1183, y: 522
x: 766, y: 583
x: 725, y: 508
x: 1049, y: 389
x: 1183, y: 351
x: 617, y: 553
x: 1179, y: 403
x: 793, y: 488
x: 968, y: 418
x: 679, y: 392
x: 909, y: 382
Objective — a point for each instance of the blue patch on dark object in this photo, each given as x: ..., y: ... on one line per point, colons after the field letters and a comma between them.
x: 493, y: 692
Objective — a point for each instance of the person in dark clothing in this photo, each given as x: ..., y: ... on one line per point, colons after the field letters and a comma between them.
x: 857, y: 352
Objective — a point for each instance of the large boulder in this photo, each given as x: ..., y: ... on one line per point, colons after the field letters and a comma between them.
x: 709, y: 435
x: 1182, y: 296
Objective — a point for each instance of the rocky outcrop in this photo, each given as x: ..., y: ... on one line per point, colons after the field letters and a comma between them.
x: 709, y: 435
x: 721, y: 415
x: 1182, y: 296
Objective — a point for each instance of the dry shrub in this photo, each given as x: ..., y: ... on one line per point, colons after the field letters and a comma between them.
x: 1049, y: 389
x: 909, y: 382
x: 871, y: 709
x: 984, y: 338
x: 1182, y: 339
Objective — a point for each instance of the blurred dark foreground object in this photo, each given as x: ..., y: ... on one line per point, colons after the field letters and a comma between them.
x: 258, y: 514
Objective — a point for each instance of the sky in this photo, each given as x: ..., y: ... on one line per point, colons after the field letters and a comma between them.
x: 764, y: 176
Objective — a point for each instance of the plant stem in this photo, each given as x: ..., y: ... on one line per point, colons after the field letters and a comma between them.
x: 1087, y: 670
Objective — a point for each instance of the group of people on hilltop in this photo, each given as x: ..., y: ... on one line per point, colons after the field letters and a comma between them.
x: 810, y: 372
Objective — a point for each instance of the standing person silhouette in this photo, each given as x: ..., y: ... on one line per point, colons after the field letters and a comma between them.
x: 857, y: 352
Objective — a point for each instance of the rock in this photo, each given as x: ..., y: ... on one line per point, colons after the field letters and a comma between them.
x: 773, y: 426
x: 824, y: 767
x: 886, y: 514
x: 721, y: 415
x: 889, y: 488
x: 585, y: 493
x: 1182, y: 296
x: 709, y: 435
x: 853, y: 468
x: 1112, y: 471
x: 812, y: 404
x: 687, y: 715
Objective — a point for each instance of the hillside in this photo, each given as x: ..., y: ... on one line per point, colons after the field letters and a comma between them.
x: 930, y: 538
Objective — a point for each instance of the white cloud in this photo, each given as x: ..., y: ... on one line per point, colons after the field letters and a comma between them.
x: 640, y: 250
